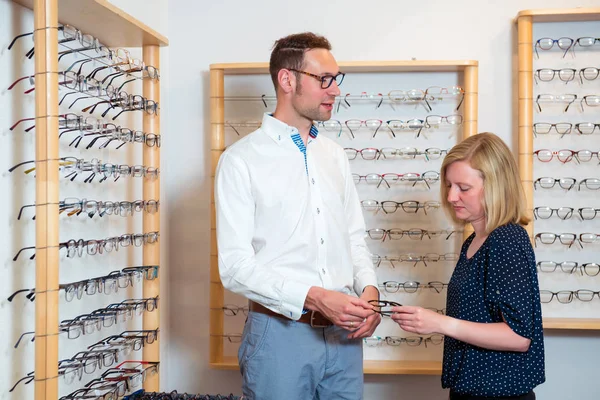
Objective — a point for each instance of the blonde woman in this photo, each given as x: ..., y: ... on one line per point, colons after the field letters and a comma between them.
x: 494, y: 346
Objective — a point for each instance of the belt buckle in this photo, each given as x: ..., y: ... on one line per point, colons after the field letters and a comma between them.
x: 312, y: 320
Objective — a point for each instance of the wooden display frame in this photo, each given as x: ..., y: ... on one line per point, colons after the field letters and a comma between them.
x: 469, y: 68
x: 114, y: 28
x: 524, y: 21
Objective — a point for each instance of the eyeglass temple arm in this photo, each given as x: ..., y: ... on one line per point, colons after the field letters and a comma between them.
x: 22, y: 120
x: 19, y: 80
x: 27, y: 378
x: 12, y: 296
x: 12, y: 43
x: 25, y: 248
x: 71, y: 51
x: 22, y: 336
x: 461, y: 101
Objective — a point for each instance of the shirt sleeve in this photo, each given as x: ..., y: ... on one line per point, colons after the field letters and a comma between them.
x: 238, y: 267
x: 511, y: 287
x: 362, y: 259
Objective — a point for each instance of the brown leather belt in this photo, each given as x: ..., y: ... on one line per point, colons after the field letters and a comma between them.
x: 312, y: 318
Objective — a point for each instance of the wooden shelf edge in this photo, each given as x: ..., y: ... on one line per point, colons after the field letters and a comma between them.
x: 571, y: 323
x: 376, y: 367
x: 360, y: 66
x: 561, y: 14
x: 105, y: 21
x: 371, y: 367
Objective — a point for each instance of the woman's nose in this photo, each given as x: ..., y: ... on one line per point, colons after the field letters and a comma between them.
x: 452, y: 196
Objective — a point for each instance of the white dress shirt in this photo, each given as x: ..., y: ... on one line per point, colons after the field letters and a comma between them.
x: 288, y: 218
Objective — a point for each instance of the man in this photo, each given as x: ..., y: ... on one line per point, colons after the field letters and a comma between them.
x: 290, y: 234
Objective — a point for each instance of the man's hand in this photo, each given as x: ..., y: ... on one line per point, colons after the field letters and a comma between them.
x: 367, y: 328
x: 344, y: 311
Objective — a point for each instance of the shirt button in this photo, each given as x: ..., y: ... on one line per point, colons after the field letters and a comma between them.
x: 497, y: 292
x: 322, y: 241
x: 318, y: 211
x: 313, y: 181
x: 323, y: 270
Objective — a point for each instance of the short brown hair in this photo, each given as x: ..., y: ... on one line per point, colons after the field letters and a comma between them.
x: 288, y: 52
x: 504, y: 198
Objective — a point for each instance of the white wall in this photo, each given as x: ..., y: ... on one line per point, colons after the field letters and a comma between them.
x: 201, y: 33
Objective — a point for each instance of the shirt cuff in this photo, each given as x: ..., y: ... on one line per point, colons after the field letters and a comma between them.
x: 364, y: 279
x: 293, y: 297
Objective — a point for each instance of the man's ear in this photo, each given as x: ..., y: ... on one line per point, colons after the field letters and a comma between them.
x: 287, y: 80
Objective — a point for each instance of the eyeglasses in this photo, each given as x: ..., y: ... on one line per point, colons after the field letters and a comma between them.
x: 589, y: 238
x: 127, y: 102
x: 563, y: 213
x: 412, y: 286
x: 550, y: 266
x: 331, y: 125
x: 408, y: 153
x: 376, y: 341
x: 546, y: 74
x: 562, y: 128
x: 366, y: 154
x: 435, y: 121
x: 355, y: 124
x: 411, y: 124
x: 111, y: 132
x: 546, y: 43
x: 380, y: 304
x: 100, y: 246
x: 141, y: 395
x: 110, y: 387
x: 73, y: 166
x: 409, y: 206
x: 585, y: 42
x: 232, y: 310
x: 548, y: 183
x: 546, y: 155
x: 590, y: 183
x: 232, y: 337
x: 414, y: 340
x: 107, y: 284
x: 406, y: 95
x: 326, y: 80
x: 591, y: 100
x: 588, y: 213
x: 106, y: 317
x: 392, y: 178
x: 588, y: 73
x: 430, y: 94
x: 564, y: 296
x: 437, y: 93
x: 586, y: 128
x: 549, y: 238
x: 389, y: 153
x: 101, y: 208
x: 555, y: 98
x: 590, y: 269
x: 413, y: 258
x: 397, y: 234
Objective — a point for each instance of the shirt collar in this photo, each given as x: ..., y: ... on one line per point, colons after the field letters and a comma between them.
x: 278, y: 130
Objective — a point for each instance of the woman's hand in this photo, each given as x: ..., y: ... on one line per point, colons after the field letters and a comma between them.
x: 419, y: 320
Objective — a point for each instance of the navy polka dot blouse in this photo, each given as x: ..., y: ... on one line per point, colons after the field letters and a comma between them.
x: 499, y: 280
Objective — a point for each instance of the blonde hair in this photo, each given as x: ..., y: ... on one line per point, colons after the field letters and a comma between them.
x: 503, y: 195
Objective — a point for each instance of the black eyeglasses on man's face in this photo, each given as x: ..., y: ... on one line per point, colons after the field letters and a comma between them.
x: 326, y: 80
